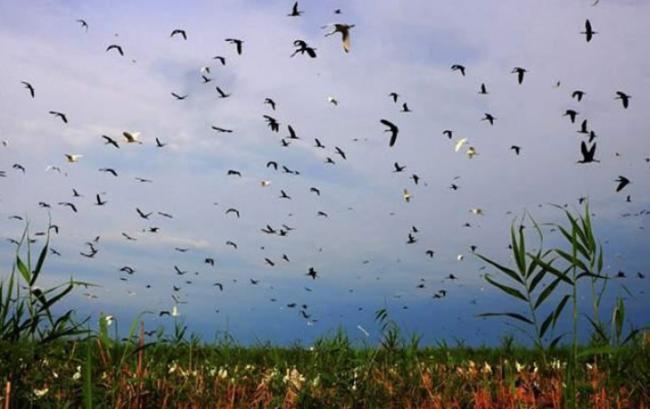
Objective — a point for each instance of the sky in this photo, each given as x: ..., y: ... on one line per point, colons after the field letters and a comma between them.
x: 360, y: 249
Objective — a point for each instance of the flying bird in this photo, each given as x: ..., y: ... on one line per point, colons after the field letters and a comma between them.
x: 622, y: 182
x: 179, y: 32
x: 392, y: 128
x: 29, y: 87
x: 459, y: 68
x: 238, y: 44
x: 142, y: 214
x: 589, y: 32
x: 294, y: 11
x: 302, y: 47
x: 520, y: 73
x: 83, y: 23
x: 160, y: 144
x: 70, y: 205
x: 72, y: 158
x: 110, y: 141
x: 483, y: 90
x: 115, y: 47
x: 571, y: 114
x: 222, y: 94
x: 131, y: 137
x: 270, y: 102
x: 179, y: 97
x: 60, y: 115
x: 344, y: 29
x: 516, y: 148
x: 587, y: 153
x: 625, y: 99
x: 578, y: 94
x: 489, y: 117
x: 109, y: 170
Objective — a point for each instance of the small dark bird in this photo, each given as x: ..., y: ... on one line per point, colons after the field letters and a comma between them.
x: 392, y: 128
x: 292, y: 133
x: 110, y: 141
x: 571, y: 114
x: 63, y: 117
x: 269, y: 262
x: 621, y: 274
x: 130, y: 238
x: 232, y: 172
x: 222, y: 94
x: 302, y: 47
x: 405, y: 108
x: 75, y: 193
x: 272, y: 164
x: 294, y: 11
x: 398, y: 168
x: 160, y: 144
x: 254, y: 282
x: 577, y: 94
x: 625, y: 99
x: 321, y: 213
x: 221, y: 59
x: 167, y: 215
x: 99, y: 201
x: 70, y: 205
x: 232, y: 244
x: 29, y: 87
x: 127, y: 269
x: 238, y: 44
x: 452, y: 277
x: 205, y: 79
x: 179, y: 271
x: 340, y: 152
x: 483, y: 90
x: 319, y: 144
x: 272, y: 123
x: 622, y: 182
x: 411, y: 239
x: 489, y: 118
x: 109, y: 170
x: 589, y: 32
x: 315, y: 190
x: 222, y: 130
x: 115, y: 47
x: 284, y: 195
x: 520, y: 73
x: 516, y: 148
x: 640, y: 275
x: 583, y: 127
x: 416, y: 178
x: 270, y: 102
x: 394, y: 96
x: 448, y: 133
x: 142, y: 214
x: 179, y: 97
x: 430, y: 253
x: 19, y: 167
x: 587, y: 153
x: 233, y: 210
x: 459, y: 68
x: 312, y: 273
x: 179, y: 31
x: 83, y: 23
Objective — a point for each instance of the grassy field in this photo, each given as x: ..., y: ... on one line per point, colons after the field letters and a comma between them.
x: 52, y: 360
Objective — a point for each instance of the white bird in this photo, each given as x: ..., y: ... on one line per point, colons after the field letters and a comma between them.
x: 477, y: 211
x: 363, y: 330
x: 406, y: 195
x: 344, y: 29
x: 460, y: 144
x: 471, y: 152
x: 265, y: 183
x: 460, y: 257
x: 72, y: 158
x: 131, y: 137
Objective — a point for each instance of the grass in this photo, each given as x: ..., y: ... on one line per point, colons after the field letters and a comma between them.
x: 49, y: 361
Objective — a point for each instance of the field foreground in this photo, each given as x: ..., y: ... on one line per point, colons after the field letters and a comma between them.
x: 176, y: 373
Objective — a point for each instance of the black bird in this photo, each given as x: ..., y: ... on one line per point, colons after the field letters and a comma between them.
x: 29, y: 87
x: 44, y: 205
x: 254, y: 282
x: 460, y: 68
x: 53, y: 251
x: 577, y: 94
x: 340, y: 152
x: 179, y: 31
x: 411, y: 239
x: 269, y: 261
x: 270, y: 102
x: 142, y: 214
x: 312, y: 273
x: 294, y: 11
x: 221, y: 59
x: 483, y: 90
x: 110, y: 141
x: 430, y: 253
x: 127, y: 269
x: 75, y: 193
x: 319, y: 144
x: 109, y: 170
x: 272, y: 123
x: 392, y: 128
x: 179, y: 271
x: 180, y: 97
x: 233, y: 210
x: 160, y: 144
x: 622, y: 182
x: 589, y: 32
x: 285, y: 258
x: 452, y: 277
x: 571, y: 114
x: 640, y: 275
x: 416, y: 178
x: 115, y: 47
x: 302, y: 47
x: 587, y: 153
x: 520, y: 73
x: 315, y: 190
x: 583, y: 127
x: 83, y: 23
x: 625, y: 99
x: 394, y: 96
x: 448, y: 133
x: 99, y: 200
x: 272, y: 164
x: 398, y: 168
x: 621, y: 274
x: 232, y: 172
x: 205, y: 79
x: 232, y: 244
x: 218, y: 285
x: 63, y: 117
x: 143, y: 180
x: 489, y: 117
x: 516, y: 148
x: 268, y: 230
x: 222, y: 94
x: 330, y: 161
x: 222, y: 130
x: 292, y: 133
x: 284, y: 195
x: 238, y: 43
x: 126, y: 236
x: 70, y: 205
x: 167, y: 215
x: 18, y: 166
x: 321, y: 213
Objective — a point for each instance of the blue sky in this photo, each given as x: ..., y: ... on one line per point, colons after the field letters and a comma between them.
x: 360, y: 250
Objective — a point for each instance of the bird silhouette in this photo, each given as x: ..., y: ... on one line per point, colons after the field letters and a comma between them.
x: 344, y: 29
x: 625, y: 99
x: 589, y: 32
x: 30, y: 88
x: 294, y: 11
x: 459, y: 68
x: 110, y: 141
x: 180, y: 32
x: 116, y: 47
x: 238, y: 44
x: 392, y: 128
x: 60, y: 115
x: 587, y: 153
x: 520, y: 73
x: 622, y: 182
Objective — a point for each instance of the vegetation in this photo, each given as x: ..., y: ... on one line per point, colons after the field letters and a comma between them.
x: 55, y: 361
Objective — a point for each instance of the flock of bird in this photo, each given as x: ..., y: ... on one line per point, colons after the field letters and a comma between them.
x: 586, y: 154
